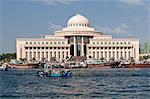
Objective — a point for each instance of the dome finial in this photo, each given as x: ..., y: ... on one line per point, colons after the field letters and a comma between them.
x: 78, y: 13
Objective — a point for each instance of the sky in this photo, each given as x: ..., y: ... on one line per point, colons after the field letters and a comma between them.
x: 33, y: 18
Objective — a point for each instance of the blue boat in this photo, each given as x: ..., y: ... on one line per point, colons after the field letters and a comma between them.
x: 50, y: 72
x: 64, y: 74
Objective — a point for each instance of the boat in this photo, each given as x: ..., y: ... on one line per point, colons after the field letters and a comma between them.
x: 24, y: 65
x: 4, y: 67
x: 49, y: 71
x: 134, y: 65
x: 94, y: 63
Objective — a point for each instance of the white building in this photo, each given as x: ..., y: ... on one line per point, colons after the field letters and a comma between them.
x: 77, y: 39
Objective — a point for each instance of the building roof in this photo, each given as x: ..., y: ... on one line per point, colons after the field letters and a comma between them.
x: 78, y: 19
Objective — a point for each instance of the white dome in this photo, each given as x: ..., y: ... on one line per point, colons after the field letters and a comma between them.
x: 78, y: 20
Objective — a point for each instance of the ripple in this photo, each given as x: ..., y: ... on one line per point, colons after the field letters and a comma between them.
x: 85, y: 83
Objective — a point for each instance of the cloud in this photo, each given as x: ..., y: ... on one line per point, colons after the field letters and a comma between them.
x: 133, y: 2
x: 53, y: 27
x: 122, y: 29
x: 53, y: 2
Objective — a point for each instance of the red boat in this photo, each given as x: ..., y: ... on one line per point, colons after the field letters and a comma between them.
x: 136, y: 65
x: 25, y: 66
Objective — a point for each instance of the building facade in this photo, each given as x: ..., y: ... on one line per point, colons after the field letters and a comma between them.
x: 77, y: 39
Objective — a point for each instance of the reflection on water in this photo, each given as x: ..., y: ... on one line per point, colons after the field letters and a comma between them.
x: 84, y: 83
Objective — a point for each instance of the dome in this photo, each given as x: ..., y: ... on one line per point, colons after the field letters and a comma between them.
x: 78, y: 20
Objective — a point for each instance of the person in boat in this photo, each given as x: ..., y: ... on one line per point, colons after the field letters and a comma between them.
x: 47, y: 68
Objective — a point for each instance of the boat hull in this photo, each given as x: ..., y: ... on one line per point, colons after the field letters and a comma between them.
x: 65, y: 74
x: 136, y: 65
x: 24, y: 66
x: 108, y: 64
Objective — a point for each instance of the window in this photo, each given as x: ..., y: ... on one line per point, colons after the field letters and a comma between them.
x: 26, y: 42
x: 46, y: 54
x: 30, y: 42
x: 117, y: 55
x: 117, y: 42
x: 128, y: 42
x: 124, y: 42
x: 50, y: 42
x: 101, y: 42
x: 38, y: 54
x: 121, y: 43
x: 109, y: 42
x: 58, y: 42
x: 105, y: 42
x: 105, y: 54
x: 97, y: 55
x: 109, y: 54
x: 125, y: 54
x: 42, y: 42
x: 46, y: 42
x: 34, y: 55
x: 34, y: 42
x: 94, y: 54
x: 42, y: 54
x: 26, y: 47
x: 38, y: 42
x: 93, y: 42
x: 26, y: 55
x: 113, y: 42
x: 62, y: 42
x: 54, y: 42
x: 97, y: 42
x: 101, y: 54
x: 58, y: 54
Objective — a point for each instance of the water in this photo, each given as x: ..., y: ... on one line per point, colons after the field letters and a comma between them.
x: 84, y: 84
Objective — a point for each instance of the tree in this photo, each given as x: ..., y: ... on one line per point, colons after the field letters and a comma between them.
x: 6, y: 57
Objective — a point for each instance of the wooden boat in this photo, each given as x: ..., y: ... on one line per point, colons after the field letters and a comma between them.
x: 136, y: 65
x: 92, y: 63
x: 24, y: 66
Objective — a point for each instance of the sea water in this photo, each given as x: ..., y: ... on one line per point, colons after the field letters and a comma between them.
x: 119, y: 83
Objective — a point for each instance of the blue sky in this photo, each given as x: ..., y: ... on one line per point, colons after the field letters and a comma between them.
x: 32, y: 18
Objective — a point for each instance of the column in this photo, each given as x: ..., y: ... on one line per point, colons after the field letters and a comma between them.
x: 48, y: 53
x: 52, y: 51
x: 82, y: 48
x: 75, y: 47
x: 107, y: 54
x: 96, y: 52
x: 40, y: 53
x: 65, y: 53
